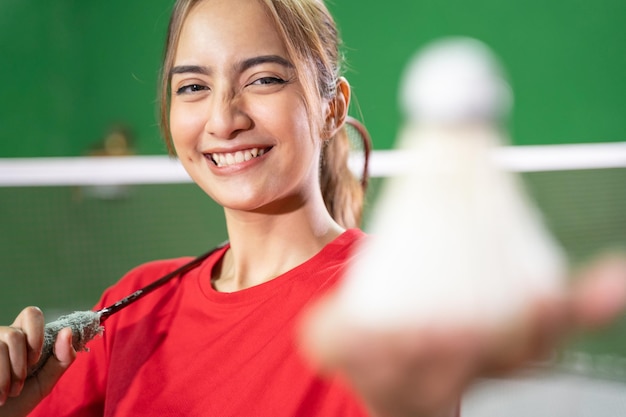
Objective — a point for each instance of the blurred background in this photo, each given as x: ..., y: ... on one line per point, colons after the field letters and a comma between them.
x: 79, y: 78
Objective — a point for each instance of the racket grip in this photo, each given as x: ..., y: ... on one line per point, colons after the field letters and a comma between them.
x: 85, y: 326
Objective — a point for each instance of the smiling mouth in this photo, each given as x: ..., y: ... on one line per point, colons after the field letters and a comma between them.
x: 231, y: 158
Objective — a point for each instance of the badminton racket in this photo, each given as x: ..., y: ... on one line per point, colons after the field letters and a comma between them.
x: 86, y: 325
x: 360, y: 144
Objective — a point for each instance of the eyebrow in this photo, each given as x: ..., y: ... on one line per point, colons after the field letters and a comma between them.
x: 194, y: 69
x: 240, y: 66
x: 263, y: 59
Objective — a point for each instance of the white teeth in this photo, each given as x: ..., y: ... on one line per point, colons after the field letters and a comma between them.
x: 226, y: 159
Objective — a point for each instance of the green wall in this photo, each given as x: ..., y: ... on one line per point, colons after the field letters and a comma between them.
x: 72, y: 68
x: 566, y: 60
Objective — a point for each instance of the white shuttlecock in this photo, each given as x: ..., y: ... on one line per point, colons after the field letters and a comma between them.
x: 456, y: 239
x: 455, y: 81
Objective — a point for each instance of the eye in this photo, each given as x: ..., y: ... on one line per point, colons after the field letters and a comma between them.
x: 268, y: 81
x: 190, y: 89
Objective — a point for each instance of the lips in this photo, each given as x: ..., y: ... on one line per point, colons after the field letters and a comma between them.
x: 224, y: 159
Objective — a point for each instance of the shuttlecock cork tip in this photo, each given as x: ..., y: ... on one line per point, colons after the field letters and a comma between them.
x: 454, y: 80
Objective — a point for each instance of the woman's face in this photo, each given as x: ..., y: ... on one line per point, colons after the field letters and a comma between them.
x: 238, y: 118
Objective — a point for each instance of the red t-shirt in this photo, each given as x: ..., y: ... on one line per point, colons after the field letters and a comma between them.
x: 188, y: 350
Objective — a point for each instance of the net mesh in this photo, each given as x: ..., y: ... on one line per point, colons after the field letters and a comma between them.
x: 63, y: 245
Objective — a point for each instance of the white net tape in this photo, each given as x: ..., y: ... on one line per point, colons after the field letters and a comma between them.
x: 166, y: 170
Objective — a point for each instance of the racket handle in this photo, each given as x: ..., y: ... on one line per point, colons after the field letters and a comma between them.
x: 85, y: 326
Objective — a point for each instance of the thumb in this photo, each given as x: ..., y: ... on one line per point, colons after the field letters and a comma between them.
x: 64, y: 355
x: 39, y: 386
x: 600, y: 295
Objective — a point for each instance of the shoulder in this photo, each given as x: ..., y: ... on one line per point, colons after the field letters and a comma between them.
x: 345, y: 245
x: 354, y: 235
x: 333, y: 259
x: 139, y: 277
x: 349, y: 240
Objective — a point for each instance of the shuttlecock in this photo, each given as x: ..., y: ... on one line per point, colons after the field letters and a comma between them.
x: 455, y: 239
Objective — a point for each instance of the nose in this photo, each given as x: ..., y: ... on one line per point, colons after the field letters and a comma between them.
x: 227, y: 117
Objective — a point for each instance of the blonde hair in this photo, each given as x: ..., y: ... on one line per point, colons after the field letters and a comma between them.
x: 310, y: 35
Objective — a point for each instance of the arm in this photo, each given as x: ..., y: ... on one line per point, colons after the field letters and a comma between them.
x: 423, y: 372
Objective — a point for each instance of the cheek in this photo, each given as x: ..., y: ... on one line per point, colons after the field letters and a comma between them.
x: 285, y: 117
x: 186, y: 125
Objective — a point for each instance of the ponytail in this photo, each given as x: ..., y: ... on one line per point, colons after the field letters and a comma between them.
x: 343, y: 193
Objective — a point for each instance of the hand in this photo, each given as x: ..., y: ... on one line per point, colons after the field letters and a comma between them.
x: 423, y: 371
x: 20, y: 348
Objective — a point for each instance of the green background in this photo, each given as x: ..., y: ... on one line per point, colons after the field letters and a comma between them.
x: 71, y: 69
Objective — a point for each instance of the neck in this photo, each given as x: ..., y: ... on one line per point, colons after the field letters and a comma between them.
x: 264, y: 246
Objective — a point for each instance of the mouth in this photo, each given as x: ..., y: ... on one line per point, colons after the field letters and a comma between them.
x: 224, y: 159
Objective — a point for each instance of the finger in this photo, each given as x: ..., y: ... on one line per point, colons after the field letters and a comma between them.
x: 14, y: 354
x: 31, y: 322
x: 55, y: 367
x: 600, y: 295
x: 24, y: 340
x: 323, y: 335
x: 5, y: 373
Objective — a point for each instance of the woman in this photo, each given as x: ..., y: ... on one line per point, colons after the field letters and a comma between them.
x: 253, y: 105
x: 255, y: 115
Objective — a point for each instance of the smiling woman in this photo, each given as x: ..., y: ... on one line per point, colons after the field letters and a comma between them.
x: 254, y: 107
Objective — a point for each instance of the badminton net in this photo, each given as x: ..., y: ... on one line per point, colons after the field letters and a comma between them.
x: 70, y: 227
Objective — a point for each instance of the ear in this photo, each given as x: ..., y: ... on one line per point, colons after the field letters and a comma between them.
x: 337, y: 109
